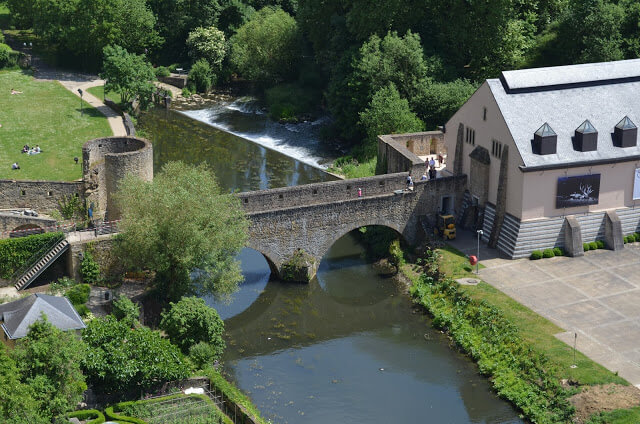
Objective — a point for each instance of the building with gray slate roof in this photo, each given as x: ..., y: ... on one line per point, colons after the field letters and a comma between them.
x: 563, y: 156
x: 17, y: 316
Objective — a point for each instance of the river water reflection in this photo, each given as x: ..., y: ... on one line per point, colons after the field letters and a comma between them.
x: 346, y: 348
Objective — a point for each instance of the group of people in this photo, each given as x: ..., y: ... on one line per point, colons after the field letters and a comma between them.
x: 32, y: 150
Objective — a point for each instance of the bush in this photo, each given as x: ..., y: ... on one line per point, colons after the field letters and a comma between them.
x: 593, y: 245
x: 92, y: 415
x: 162, y: 71
x: 82, y: 310
x: 586, y: 247
x: 636, y: 236
x: 632, y: 237
x: 625, y: 239
x: 202, y: 355
x: 125, y: 310
x: 4, y: 55
x: 600, y: 244
x: 557, y: 251
x: 535, y: 255
x: 201, y: 76
x: 89, y: 269
x: 79, y: 294
x: 288, y: 101
x: 16, y: 252
x: 548, y: 253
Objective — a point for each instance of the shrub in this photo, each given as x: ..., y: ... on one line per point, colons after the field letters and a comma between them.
x: 92, y: 415
x: 61, y: 285
x: 593, y: 245
x: 586, y: 247
x: 548, y: 253
x: 600, y: 244
x: 202, y: 355
x: 89, y: 269
x: 162, y: 71
x: 82, y: 310
x: 636, y: 236
x: 632, y: 238
x: 125, y: 310
x: 79, y: 294
x: 4, y: 55
x: 186, y: 92
x: 536, y: 254
x: 201, y: 76
x: 16, y: 252
x: 625, y: 239
x: 558, y: 251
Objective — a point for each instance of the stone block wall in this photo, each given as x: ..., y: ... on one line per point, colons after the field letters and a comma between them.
x: 399, y: 152
x: 10, y: 222
x: 42, y: 196
x: 176, y: 81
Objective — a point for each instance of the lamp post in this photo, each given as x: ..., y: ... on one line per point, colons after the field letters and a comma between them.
x: 81, y: 110
x: 479, y: 232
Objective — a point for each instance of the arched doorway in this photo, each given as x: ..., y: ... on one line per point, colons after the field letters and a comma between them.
x: 26, y: 230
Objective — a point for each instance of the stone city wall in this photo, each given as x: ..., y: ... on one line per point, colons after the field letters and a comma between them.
x: 332, y: 191
x: 41, y: 196
x: 399, y: 152
x: 10, y: 222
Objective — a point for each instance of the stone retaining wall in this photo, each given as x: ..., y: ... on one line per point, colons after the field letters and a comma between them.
x: 42, y: 196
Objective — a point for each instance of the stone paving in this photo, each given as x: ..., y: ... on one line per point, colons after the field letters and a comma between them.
x: 596, y: 296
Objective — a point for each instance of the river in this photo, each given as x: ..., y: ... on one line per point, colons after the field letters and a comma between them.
x: 346, y: 348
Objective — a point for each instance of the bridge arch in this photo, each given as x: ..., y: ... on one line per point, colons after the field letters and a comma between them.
x: 26, y: 230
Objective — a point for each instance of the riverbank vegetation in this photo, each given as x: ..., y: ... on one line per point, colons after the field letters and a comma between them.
x: 56, y: 125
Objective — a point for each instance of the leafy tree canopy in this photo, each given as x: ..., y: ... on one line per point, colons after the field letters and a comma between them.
x: 123, y: 309
x: 191, y: 321
x: 207, y: 43
x: 179, y: 223
x: 127, y: 73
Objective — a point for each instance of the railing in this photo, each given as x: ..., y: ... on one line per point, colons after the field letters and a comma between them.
x: 36, y: 257
x: 107, y: 227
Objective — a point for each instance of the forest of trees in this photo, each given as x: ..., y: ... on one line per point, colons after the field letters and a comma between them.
x: 399, y: 65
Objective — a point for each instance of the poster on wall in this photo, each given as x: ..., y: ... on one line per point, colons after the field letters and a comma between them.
x: 581, y: 190
x: 636, y: 184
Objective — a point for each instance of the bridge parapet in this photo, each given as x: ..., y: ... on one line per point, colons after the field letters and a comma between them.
x: 327, y: 192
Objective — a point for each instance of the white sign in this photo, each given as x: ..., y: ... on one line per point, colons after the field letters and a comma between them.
x: 636, y: 185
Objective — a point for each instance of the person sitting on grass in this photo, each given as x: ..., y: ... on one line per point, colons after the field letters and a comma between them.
x: 14, y: 91
x: 25, y: 148
x: 37, y: 149
x: 15, y: 166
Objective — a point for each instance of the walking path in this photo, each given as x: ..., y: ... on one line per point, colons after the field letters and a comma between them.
x: 595, y: 297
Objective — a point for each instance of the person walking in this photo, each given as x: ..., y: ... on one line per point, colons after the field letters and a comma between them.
x: 359, y: 192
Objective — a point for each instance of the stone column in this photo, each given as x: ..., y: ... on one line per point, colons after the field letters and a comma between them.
x: 573, y: 237
x: 457, y: 166
x: 613, y: 231
x: 501, y: 201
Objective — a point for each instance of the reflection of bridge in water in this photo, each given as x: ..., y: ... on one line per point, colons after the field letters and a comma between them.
x: 312, y: 217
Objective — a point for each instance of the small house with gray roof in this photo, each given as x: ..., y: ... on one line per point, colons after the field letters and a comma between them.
x: 552, y: 156
x: 17, y: 316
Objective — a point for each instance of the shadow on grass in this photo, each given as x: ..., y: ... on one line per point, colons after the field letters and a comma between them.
x: 90, y: 112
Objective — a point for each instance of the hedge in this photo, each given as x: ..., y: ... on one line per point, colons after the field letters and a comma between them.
x: 517, y: 372
x: 16, y: 252
x: 93, y: 415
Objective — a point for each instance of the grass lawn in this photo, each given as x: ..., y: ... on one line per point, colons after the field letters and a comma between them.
x: 455, y: 264
x: 5, y: 17
x: 46, y: 114
x: 620, y: 416
x: 534, y: 328
x: 98, y: 91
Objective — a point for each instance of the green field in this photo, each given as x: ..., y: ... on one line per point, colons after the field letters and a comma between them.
x: 48, y: 115
x: 98, y: 91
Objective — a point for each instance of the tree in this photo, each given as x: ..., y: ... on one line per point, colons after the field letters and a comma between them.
x: 126, y: 311
x: 207, y: 43
x: 437, y: 102
x: 387, y: 113
x: 17, y: 403
x: 127, y: 73
x: 123, y: 360
x: 48, y: 360
x: 201, y: 76
x: 191, y: 321
x: 191, y: 226
x: 267, y: 47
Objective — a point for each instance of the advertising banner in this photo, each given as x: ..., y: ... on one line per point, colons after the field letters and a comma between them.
x: 636, y: 184
x: 581, y: 190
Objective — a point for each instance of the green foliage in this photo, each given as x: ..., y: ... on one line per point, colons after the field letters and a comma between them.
x: 201, y: 76
x: 60, y: 286
x: 350, y: 167
x: 162, y: 71
x: 16, y: 252
x: 435, y: 103
x: 82, y: 310
x: 593, y: 245
x: 557, y: 251
x: 536, y: 254
x: 121, y: 359
x: 233, y: 394
x: 202, y: 355
x: 548, y: 253
x: 287, y: 102
x: 191, y: 321
x: 79, y: 294
x: 91, y: 416
x: 620, y: 416
x: 380, y: 242
x: 173, y: 409
x: 49, y: 361
x: 517, y: 371
x: 600, y: 244
x: 127, y: 73
x: 69, y: 206
x: 267, y: 47
x: 636, y: 236
x: 208, y: 43
x: 126, y: 311
x: 6, y: 58
x: 626, y: 239
x: 387, y: 113
x: 89, y: 269
x: 586, y: 247
x: 192, y: 225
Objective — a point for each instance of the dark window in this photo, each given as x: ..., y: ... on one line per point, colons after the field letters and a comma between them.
x: 381, y: 183
x: 49, y: 193
x: 484, y: 113
x: 496, y: 148
x: 246, y: 200
x: 280, y: 196
x: 348, y: 187
x: 22, y: 192
x: 471, y: 136
x: 315, y: 191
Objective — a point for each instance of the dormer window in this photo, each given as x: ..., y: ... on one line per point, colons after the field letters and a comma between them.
x: 586, y: 137
x: 545, y: 140
x: 625, y: 133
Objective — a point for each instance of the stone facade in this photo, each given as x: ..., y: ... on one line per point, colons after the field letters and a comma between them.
x: 11, y: 222
x: 42, y: 196
x: 399, y: 152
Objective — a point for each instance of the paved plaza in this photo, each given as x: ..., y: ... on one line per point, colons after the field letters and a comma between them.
x: 596, y: 296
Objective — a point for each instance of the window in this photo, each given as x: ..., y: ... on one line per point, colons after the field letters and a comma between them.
x: 471, y: 136
x: 496, y: 149
x: 23, y: 193
x: 484, y: 113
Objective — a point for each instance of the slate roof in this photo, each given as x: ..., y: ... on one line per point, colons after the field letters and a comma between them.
x: 20, y: 314
x: 564, y: 97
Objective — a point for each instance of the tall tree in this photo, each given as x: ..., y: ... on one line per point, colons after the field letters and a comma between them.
x: 127, y: 73
x: 208, y: 43
x: 179, y: 223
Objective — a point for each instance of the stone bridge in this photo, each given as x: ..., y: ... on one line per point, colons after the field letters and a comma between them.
x: 312, y: 217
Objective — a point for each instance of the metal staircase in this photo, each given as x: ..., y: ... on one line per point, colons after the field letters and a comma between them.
x: 40, y: 263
